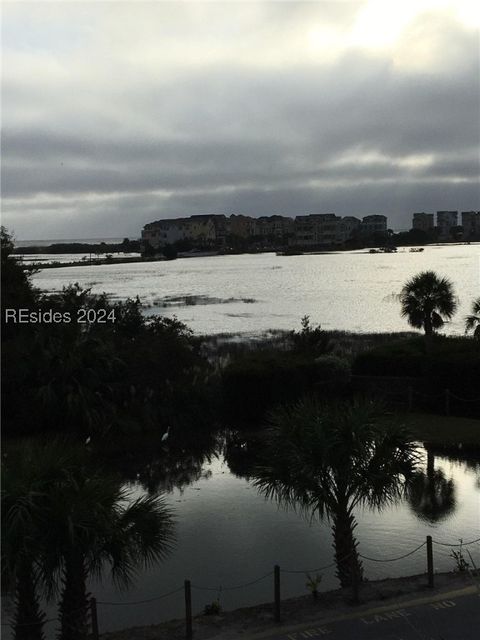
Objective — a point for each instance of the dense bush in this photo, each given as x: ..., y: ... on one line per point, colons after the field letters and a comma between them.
x: 406, y: 357
x: 441, y: 363
x: 257, y: 381
x: 129, y: 374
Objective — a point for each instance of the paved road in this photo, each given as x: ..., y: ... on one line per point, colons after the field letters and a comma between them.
x: 449, y: 616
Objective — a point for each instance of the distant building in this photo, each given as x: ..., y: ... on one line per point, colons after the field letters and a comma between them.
x: 349, y: 226
x: 318, y: 229
x: 243, y: 226
x: 471, y: 225
x: 446, y: 220
x: 423, y: 221
x: 374, y: 224
x: 162, y: 232
x: 274, y: 226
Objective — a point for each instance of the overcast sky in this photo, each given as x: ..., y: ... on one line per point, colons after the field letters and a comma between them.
x: 117, y: 114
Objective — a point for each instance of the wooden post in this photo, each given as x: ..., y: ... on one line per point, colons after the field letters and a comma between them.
x: 410, y: 399
x: 430, y: 561
x: 94, y: 618
x: 188, y: 610
x: 447, y: 402
x: 276, y: 588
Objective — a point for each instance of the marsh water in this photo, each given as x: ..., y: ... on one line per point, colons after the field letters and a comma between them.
x: 247, y: 293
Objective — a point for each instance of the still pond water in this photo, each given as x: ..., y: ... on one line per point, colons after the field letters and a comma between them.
x: 227, y: 534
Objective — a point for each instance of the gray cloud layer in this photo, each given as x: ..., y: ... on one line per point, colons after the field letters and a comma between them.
x: 104, y: 135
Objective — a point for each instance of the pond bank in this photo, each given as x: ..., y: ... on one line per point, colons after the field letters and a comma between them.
x: 242, y: 623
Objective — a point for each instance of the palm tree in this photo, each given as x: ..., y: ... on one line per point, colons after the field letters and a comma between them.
x: 27, y: 476
x: 82, y: 524
x: 472, y: 322
x: 328, y: 460
x: 427, y: 300
x: 94, y: 524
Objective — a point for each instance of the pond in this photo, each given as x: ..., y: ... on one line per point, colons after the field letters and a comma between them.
x: 227, y: 534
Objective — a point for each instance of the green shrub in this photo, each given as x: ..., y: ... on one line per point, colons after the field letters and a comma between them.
x: 257, y: 381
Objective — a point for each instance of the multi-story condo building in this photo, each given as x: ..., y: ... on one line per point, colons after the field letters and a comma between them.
x: 274, y: 226
x: 423, y: 221
x: 471, y: 225
x: 163, y: 232
x: 446, y: 220
x: 317, y: 229
x: 349, y: 225
x: 373, y: 224
x: 243, y: 226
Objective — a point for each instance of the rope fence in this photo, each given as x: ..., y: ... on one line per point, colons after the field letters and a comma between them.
x: 407, y: 395
x: 277, y: 571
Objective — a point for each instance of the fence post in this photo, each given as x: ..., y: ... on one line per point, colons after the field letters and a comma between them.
x: 447, y: 402
x: 94, y: 618
x: 410, y: 399
x: 430, y: 561
x: 188, y: 610
x: 276, y: 585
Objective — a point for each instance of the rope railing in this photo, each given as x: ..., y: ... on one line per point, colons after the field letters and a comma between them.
x: 238, y: 586
x: 405, y: 555
x: 460, y: 544
x: 163, y: 595
x: 276, y: 573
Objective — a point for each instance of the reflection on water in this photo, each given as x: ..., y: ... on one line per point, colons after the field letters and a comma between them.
x: 227, y: 534
x: 431, y: 494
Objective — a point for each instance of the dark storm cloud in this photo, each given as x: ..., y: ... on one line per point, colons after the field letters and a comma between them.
x: 357, y: 134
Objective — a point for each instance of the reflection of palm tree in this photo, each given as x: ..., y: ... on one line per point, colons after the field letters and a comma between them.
x: 332, y: 459
x: 472, y: 322
x: 427, y: 300
x: 431, y: 495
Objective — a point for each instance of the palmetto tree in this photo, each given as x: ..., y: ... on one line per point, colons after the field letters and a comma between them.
x: 92, y: 527
x: 427, y: 300
x: 75, y: 526
x: 472, y: 322
x: 328, y: 460
x: 27, y: 477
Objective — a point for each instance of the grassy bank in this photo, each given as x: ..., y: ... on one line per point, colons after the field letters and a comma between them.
x: 443, y: 429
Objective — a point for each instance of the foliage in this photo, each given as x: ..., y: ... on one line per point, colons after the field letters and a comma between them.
x: 266, y: 378
x: 212, y: 609
x: 311, y: 340
x: 65, y: 521
x: 312, y: 584
x: 133, y: 373
x: 428, y: 301
x: 169, y: 252
x: 327, y: 459
x: 461, y: 565
x: 472, y: 322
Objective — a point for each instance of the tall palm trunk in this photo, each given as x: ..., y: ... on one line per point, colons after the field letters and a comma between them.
x: 349, y: 566
x: 29, y: 618
x: 73, y: 614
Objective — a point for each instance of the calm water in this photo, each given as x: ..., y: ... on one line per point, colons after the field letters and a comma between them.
x: 254, y: 293
x: 227, y: 534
